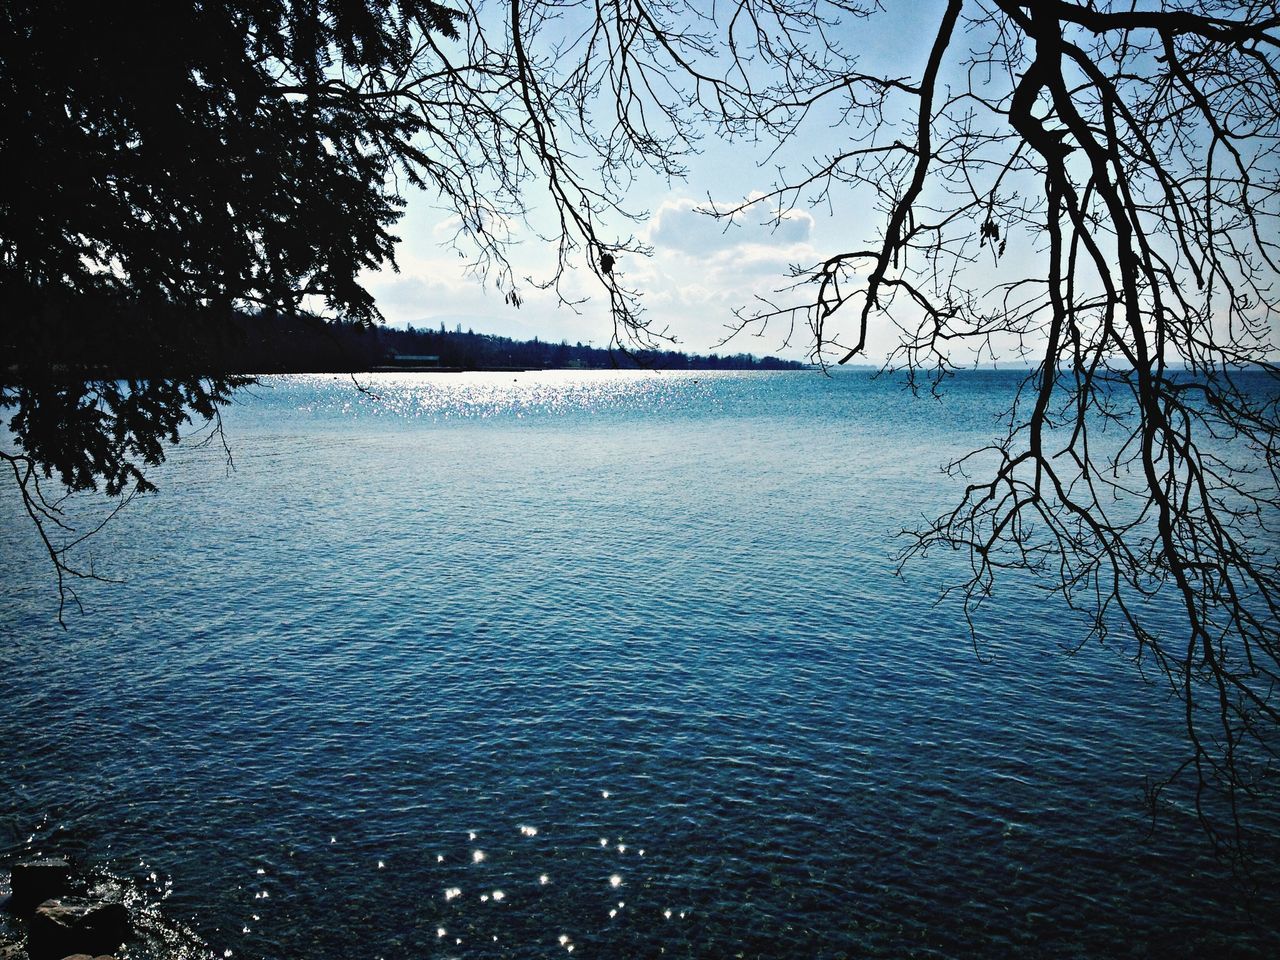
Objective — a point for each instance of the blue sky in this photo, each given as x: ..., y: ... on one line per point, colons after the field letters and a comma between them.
x: 700, y: 270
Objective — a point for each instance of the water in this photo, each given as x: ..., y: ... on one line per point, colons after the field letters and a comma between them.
x: 626, y: 649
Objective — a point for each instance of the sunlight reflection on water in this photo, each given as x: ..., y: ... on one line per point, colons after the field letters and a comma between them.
x: 490, y: 395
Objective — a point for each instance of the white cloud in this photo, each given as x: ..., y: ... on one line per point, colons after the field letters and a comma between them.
x: 699, y: 273
x: 438, y: 288
x: 679, y: 224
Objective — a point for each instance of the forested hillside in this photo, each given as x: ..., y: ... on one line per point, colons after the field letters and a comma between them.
x: 77, y: 342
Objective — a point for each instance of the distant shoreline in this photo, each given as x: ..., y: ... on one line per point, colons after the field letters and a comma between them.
x: 63, y: 372
x: 72, y: 346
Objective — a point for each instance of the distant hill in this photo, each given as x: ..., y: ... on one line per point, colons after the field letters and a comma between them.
x: 134, y: 343
x: 480, y: 351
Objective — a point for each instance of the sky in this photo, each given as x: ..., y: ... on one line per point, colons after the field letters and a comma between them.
x: 699, y: 272
x: 701, y: 269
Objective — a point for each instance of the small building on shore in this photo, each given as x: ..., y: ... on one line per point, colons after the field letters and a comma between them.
x: 413, y: 359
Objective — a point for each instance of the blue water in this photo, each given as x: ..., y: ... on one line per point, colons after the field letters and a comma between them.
x: 626, y: 649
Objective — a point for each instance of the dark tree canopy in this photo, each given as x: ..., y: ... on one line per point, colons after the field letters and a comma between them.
x: 1088, y: 189
x: 195, y: 155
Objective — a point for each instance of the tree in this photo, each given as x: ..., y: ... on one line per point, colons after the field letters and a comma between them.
x: 1132, y: 159
x: 1087, y: 187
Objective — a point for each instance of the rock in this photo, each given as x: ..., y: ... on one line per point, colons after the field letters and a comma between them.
x: 70, y: 925
x: 36, y: 881
x: 85, y: 956
x: 12, y: 951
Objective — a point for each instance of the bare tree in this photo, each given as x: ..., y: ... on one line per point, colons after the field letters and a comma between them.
x: 1131, y: 159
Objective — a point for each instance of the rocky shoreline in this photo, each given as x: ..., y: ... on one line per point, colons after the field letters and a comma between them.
x: 58, y: 919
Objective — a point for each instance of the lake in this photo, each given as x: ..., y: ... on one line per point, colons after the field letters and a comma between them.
x: 590, y: 663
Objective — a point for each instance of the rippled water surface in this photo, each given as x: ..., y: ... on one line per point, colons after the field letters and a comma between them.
x: 524, y: 665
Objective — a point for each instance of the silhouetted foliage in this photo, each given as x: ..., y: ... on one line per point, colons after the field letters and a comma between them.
x: 200, y: 154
